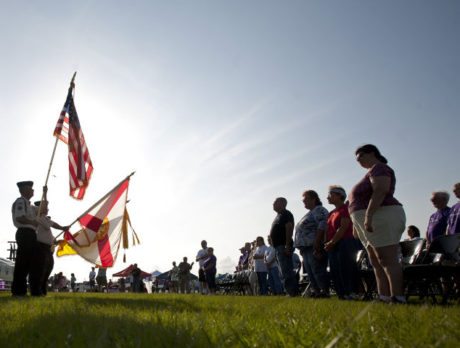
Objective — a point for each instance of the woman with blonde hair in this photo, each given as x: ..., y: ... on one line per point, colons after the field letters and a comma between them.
x: 340, y: 245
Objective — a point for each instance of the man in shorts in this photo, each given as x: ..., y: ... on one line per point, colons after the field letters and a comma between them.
x: 101, y: 279
x: 200, y: 257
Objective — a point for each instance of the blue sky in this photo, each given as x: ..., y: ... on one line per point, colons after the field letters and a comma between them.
x: 222, y: 106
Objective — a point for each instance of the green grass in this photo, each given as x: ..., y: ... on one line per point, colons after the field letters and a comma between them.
x: 163, y: 320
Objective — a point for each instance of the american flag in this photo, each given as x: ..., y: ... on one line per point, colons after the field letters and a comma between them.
x: 68, y: 130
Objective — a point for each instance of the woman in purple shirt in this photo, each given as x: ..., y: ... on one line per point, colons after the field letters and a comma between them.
x: 379, y: 220
x: 453, y: 223
x: 209, y: 268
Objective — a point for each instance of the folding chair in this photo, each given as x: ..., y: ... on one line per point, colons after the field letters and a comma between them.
x: 242, y: 281
x: 304, y: 285
x: 366, y: 275
x: 424, y: 277
x: 411, y: 250
x: 448, y: 246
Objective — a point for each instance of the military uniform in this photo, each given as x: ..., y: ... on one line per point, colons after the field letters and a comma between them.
x: 26, y: 238
x: 43, y: 261
x: 184, y: 277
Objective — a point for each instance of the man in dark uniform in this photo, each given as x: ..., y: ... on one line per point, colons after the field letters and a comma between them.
x: 184, y: 276
x: 25, y: 220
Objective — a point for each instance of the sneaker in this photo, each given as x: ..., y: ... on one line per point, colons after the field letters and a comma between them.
x: 395, y: 300
x: 353, y: 297
x: 381, y: 300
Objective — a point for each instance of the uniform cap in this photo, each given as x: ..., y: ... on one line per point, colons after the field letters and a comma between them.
x: 22, y: 184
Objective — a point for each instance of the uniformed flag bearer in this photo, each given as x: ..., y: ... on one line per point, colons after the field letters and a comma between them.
x: 43, y: 261
x: 24, y: 218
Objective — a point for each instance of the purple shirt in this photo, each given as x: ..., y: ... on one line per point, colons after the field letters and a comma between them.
x: 245, y: 258
x: 361, y: 193
x: 208, y: 261
x: 240, y: 260
x: 437, y: 224
x: 453, y: 221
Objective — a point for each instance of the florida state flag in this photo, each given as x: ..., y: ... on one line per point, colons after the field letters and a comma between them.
x: 101, y: 231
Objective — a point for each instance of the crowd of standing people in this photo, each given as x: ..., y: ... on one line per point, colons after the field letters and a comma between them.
x: 369, y: 217
x: 372, y: 218
x: 179, y: 275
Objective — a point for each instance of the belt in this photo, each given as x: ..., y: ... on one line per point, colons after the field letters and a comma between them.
x: 49, y: 247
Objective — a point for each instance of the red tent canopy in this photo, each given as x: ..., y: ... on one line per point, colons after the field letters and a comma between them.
x: 127, y: 271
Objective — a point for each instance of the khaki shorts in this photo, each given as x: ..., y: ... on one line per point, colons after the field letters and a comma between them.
x: 388, y: 223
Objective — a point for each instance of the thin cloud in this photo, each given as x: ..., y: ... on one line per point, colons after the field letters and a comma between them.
x: 291, y: 176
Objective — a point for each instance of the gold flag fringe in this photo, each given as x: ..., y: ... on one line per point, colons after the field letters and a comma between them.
x: 124, y: 228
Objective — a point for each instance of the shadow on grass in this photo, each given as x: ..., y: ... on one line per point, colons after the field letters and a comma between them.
x: 120, y: 320
x: 135, y: 302
x: 97, y: 330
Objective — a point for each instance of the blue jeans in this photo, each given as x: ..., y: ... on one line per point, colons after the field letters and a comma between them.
x: 342, y: 262
x: 274, y: 280
x: 286, y: 270
x: 263, y: 284
x: 316, y: 269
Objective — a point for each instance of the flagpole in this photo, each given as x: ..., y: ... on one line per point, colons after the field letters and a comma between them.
x: 52, y: 158
x: 99, y: 201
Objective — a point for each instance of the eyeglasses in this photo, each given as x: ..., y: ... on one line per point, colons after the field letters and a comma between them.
x: 360, y: 155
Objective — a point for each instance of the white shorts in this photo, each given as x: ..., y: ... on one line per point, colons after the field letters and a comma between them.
x: 388, y: 223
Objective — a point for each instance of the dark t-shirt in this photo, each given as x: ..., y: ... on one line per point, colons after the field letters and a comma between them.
x: 278, y: 230
x: 211, y: 259
x: 136, y: 272
x: 361, y: 193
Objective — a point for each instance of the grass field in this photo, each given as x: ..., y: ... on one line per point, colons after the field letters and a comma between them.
x: 165, y: 320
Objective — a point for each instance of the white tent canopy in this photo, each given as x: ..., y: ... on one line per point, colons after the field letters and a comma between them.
x: 6, y: 269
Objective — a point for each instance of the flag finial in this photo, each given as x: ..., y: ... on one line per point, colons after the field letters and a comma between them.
x: 73, y: 78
